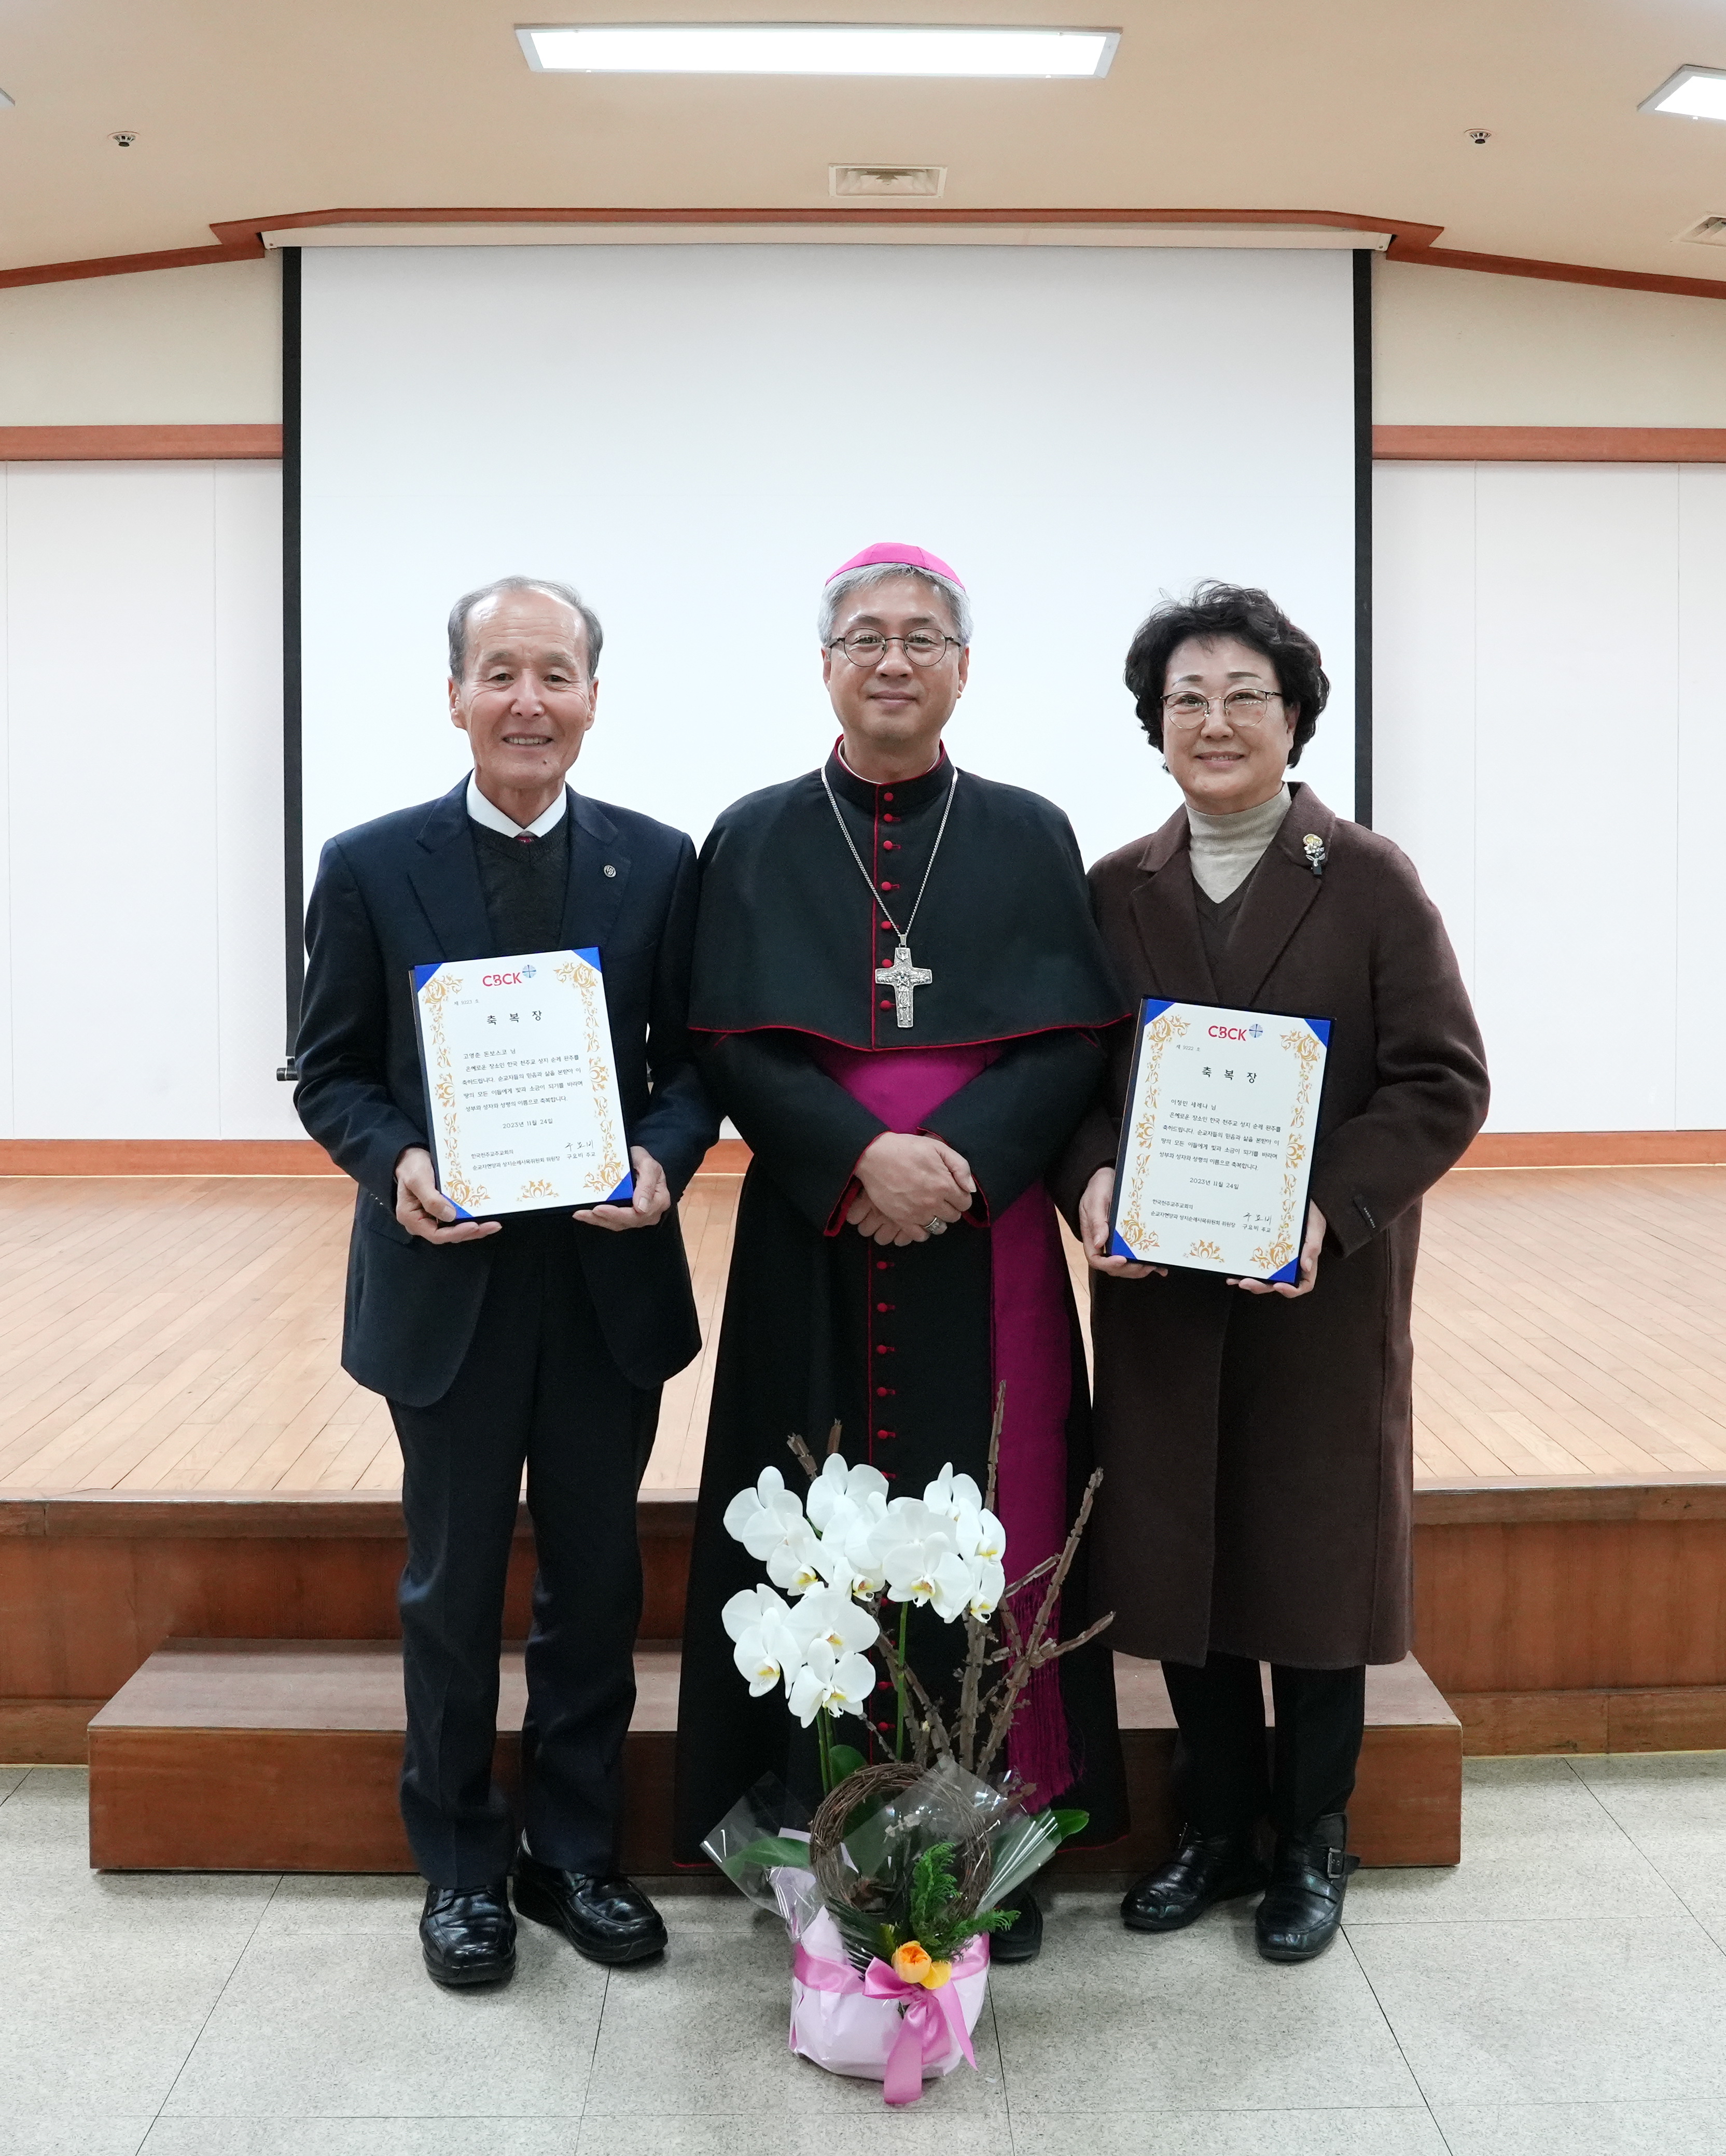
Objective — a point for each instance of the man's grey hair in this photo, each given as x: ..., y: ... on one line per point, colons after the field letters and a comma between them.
x: 958, y: 607
x: 462, y: 612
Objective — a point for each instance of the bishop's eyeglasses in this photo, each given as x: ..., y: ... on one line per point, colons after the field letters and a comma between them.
x: 868, y: 647
x: 1186, y: 711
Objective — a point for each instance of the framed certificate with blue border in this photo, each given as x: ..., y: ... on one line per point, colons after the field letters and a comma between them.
x: 1216, y: 1142
x: 521, y: 1094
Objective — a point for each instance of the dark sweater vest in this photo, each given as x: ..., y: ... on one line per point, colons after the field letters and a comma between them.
x: 524, y: 885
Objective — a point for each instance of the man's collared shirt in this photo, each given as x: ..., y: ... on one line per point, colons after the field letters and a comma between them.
x: 486, y: 813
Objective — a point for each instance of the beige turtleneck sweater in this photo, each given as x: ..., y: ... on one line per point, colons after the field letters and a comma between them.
x: 1226, y: 850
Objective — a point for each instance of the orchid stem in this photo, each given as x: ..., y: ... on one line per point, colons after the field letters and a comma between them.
x: 899, y: 1684
x: 826, y: 1738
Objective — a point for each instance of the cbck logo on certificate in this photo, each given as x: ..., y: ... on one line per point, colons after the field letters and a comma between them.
x: 1216, y: 1146
x: 520, y: 1097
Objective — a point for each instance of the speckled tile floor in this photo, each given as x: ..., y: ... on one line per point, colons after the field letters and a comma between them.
x: 1565, y: 1990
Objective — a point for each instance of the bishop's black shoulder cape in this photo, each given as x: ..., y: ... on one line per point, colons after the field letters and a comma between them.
x: 788, y: 938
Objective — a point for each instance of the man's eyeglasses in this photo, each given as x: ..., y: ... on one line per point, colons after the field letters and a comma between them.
x: 868, y: 647
x: 1186, y: 711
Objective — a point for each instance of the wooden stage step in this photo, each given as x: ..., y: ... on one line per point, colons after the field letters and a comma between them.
x: 278, y: 1755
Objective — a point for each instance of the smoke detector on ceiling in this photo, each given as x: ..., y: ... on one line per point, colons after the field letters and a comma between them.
x: 925, y: 181
x: 1708, y: 232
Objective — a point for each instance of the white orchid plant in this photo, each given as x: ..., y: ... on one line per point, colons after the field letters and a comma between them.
x: 849, y: 1551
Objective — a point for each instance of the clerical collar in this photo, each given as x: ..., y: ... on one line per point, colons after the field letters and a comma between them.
x: 487, y: 813
x: 903, y: 796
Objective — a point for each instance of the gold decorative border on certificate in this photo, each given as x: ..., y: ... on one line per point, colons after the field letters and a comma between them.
x: 578, y: 974
x: 432, y: 999
x: 1304, y: 1043
x: 1163, y: 1029
x: 1207, y: 1250
x: 539, y: 1188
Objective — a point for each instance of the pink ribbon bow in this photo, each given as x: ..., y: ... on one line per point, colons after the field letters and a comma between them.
x: 930, y: 2022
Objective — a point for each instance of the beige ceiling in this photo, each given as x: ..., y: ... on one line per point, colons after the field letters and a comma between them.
x: 261, y: 108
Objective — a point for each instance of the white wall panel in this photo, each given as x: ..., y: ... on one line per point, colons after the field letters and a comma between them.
x: 1424, y: 776
x: 111, y: 734
x: 6, y: 1129
x: 1702, y: 790
x: 1573, y: 844
x: 1576, y: 755
x: 251, y: 1018
x: 142, y: 817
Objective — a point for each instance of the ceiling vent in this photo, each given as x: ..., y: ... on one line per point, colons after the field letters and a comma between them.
x: 1710, y: 232
x: 921, y: 181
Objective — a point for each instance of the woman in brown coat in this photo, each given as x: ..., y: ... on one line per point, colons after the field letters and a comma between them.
x: 1256, y: 1439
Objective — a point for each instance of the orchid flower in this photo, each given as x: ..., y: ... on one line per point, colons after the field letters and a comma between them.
x: 912, y: 1555
x: 768, y: 1647
x: 989, y: 1580
x: 794, y: 1561
x: 953, y: 1496
x: 953, y: 1583
x: 990, y: 1539
x: 835, y: 1684
x: 829, y: 1613
x: 837, y: 1484
x: 762, y: 1517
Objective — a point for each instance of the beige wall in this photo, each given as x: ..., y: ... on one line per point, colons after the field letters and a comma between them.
x: 1453, y: 348
x: 171, y: 345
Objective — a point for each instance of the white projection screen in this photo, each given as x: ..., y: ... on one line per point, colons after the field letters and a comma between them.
x: 695, y: 435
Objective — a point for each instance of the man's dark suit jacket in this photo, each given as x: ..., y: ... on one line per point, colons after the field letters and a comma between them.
x: 405, y: 891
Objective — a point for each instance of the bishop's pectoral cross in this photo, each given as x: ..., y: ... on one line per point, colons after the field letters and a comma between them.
x: 904, y: 979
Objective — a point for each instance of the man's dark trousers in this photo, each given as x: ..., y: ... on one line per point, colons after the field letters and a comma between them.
x: 538, y: 1385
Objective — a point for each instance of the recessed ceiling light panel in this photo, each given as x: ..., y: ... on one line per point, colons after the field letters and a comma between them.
x: 807, y: 48
x: 1693, y: 93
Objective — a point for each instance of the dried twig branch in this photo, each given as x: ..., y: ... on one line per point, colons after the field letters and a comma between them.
x: 1035, y: 1572
x: 1051, y: 1652
x: 1020, y: 1675
x: 804, y: 1458
x: 834, y: 1435
x: 995, y: 1445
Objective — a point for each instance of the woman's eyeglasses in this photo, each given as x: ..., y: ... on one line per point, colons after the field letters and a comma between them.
x: 1186, y: 711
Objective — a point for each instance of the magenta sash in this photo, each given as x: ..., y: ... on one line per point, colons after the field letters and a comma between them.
x: 1032, y: 1356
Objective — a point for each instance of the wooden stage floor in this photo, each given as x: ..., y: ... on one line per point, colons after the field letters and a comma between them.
x: 179, y: 1334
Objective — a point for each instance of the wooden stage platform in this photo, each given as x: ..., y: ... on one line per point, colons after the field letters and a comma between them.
x: 181, y: 1458
x: 181, y: 1333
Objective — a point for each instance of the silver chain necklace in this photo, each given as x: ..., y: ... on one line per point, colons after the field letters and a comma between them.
x: 901, y: 977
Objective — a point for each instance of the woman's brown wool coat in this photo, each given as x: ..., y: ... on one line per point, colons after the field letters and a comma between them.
x: 1257, y: 1449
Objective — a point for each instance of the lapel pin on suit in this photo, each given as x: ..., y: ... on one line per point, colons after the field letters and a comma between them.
x: 1315, y: 852
x: 609, y: 870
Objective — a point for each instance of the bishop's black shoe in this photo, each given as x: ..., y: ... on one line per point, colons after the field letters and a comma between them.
x: 1023, y: 1941
x: 1206, y: 1869
x: 608, y: 1918
x: 467, y: 1935
x: 1302, y: 1908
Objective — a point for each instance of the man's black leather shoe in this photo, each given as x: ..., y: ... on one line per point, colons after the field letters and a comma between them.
x: 467, y: 1935
x: 1023, y: 1941
x: 608, y: 1919
x: 1206, y: 1869
x: 1302, y: 1908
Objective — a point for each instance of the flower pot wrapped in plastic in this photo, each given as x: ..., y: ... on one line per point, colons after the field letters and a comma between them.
x: 888, y: 1898
x: 891, y: 1892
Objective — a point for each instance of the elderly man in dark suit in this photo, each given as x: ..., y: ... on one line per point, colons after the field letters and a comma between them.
x: 540, y: 1340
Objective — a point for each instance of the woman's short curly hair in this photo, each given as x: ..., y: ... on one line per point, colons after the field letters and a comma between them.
x: 1211, y: 611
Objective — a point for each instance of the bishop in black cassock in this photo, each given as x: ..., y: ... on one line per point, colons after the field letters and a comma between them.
x: 984, y: 1037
